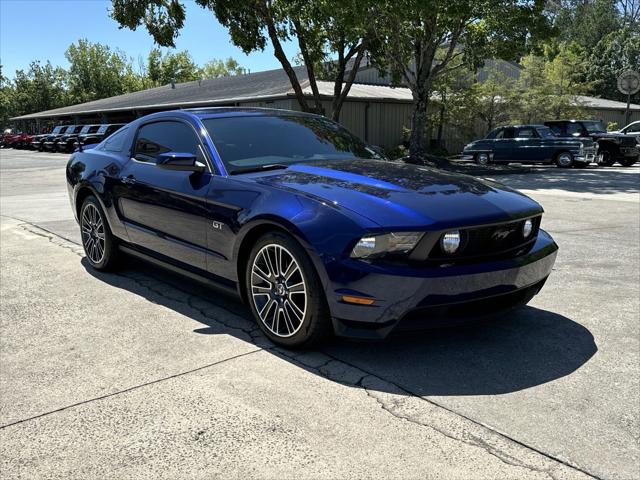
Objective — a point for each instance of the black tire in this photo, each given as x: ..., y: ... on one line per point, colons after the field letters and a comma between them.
x: 608, y: 159
x: 268, y: 289
x: 101, y: 253
x: 564, y: 160
x: 628, y: 162
x: 482, y: 158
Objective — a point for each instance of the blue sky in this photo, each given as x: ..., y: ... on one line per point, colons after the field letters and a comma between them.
x: 43, y: 29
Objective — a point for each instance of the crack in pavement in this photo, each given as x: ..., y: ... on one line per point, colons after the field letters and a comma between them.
x: 135, y: 387
x: 324, y: 364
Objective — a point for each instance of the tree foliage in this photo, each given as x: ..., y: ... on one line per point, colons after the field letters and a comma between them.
x: 614, y: 53
x: 334, y: 31
x: 420, y: 41
x: 95, y: 71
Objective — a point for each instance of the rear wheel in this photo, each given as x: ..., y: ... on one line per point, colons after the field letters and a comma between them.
x: 628, y: 162
x: 99, y: 244
x: 564, y: 160
x: 285, y: 293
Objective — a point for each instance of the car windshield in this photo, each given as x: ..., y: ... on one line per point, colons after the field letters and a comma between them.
x: 57, y: 129
x: 258, y: 141
x: 103, y: 128
x: 546, y: 132
x: 70, y: 129
x: 594, y: 127
x: 86, y: 129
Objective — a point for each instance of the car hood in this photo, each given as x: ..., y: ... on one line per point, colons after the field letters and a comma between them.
x: 395, y: 194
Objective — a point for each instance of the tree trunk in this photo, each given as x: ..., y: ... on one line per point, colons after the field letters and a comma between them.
x: 286, y: 65
x: 419, y: 120
x: 340, y: 93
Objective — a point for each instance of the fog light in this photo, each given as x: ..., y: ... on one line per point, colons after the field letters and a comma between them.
x: 527, y: 228
x: 450, y: 242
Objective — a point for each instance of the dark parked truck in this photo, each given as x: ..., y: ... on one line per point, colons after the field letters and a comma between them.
x: 612, y: 146
x: 66, y: 143
x: 530, y: 144
x: 98, y: 135
x: 37, y: 143
x: 50, y: 142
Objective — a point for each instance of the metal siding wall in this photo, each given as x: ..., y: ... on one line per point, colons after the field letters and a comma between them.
x: 613, y: 116
x: 283, y: 104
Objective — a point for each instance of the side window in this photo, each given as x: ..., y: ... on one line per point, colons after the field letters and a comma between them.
x: 509, y: 132
x: 168, y: 136
x: 115, y: 143
x: 499, y: 133
x: 493, y: 133
x: 556, y: 128
x: 574, y: 129
x: 526, y: 132
x: 634, y: 128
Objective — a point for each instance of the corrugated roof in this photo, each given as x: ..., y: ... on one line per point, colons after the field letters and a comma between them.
x: 266, y: 85
x: 603, y: 103
x: 271, y: 83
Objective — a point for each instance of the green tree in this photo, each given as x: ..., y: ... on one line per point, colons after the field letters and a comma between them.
x: 41, y: 87
x: 422, y: 40
x: 221, y: 68
x: 585, y: 22
x: 95, y: 71
x: 171, y: 67
x: 324, y: 29
x: 615, y: 53
x: 7, y: 96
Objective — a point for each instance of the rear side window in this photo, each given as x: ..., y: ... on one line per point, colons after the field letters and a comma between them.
x: 156, y: 138
x: 556, y: 128
x: 574, y: 129
x: 526, y: 132
x: 507, y: 132
x: 115, y: 143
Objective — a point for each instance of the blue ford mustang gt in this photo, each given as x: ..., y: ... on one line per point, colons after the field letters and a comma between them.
x: 306, y: 223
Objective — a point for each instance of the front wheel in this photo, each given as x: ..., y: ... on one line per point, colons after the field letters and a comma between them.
x: 482, y: 158
x: 99, y: 244
x: 285, y: 293
x: 564, y: 160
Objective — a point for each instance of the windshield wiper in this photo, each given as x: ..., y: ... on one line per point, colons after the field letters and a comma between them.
x: 259, y: 168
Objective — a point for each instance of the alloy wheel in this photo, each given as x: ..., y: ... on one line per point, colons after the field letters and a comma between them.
x: 483, y: 159
x: 93, y: 233
x: 564, y: 160
x: 278, y: 290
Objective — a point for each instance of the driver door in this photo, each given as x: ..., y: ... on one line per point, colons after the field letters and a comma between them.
x: 165, y: 211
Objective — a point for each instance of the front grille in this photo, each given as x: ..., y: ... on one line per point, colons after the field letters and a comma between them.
x: 488, y: 241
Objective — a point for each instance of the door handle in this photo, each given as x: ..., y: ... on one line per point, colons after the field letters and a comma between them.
x: 129, y: 180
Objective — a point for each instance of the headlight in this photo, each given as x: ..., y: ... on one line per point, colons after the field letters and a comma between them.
x: 450, y: 242
x: 388, y: 243
x: 527, y: 228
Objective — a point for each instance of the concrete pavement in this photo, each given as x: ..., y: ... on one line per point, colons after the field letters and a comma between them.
x: 142, y: 373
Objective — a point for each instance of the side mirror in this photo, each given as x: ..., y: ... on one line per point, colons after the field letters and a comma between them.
x: 185, y: 162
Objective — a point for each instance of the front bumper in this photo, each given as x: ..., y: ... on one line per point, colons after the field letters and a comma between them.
x: 405, y: 295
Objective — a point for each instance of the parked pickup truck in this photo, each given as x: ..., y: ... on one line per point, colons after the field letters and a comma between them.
x: 612, y: 146
x: 67, y: 142
x: 50, y: 142
x: 37, y: 143
x: 103, y: 132
x: 632, y: 129
x: 530, y: 144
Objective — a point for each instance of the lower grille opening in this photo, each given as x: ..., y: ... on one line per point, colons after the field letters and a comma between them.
x: 459, y: 313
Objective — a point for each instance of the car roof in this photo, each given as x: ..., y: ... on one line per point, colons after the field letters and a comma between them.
x: 531, y: 125
x: 220, y: 112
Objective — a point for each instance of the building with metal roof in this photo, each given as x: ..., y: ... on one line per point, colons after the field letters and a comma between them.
x: 374, y: 110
